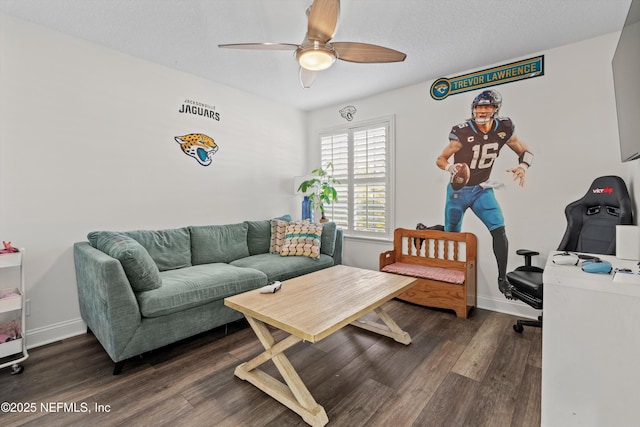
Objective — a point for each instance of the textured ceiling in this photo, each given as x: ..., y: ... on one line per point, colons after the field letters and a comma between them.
x: 440, y: 37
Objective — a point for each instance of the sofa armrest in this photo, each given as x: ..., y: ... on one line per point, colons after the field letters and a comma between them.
x: 107, y: 302
x: 337, y: 252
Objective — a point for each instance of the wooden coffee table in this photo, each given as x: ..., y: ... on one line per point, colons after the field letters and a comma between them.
x: 310, y: 308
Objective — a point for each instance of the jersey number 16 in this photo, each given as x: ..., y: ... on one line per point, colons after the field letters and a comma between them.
x: 484, y: 155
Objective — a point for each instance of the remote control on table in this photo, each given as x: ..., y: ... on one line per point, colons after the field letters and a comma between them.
x: 271, y: 288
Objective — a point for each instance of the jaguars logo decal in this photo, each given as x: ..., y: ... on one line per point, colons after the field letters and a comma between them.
x: 348, y: 112
x: 199, y: 146
x: 440, y: 89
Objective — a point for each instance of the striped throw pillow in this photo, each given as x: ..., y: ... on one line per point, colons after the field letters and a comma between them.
x: 302, y: 239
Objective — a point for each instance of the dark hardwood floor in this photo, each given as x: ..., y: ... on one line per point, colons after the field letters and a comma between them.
x: 456, y: 372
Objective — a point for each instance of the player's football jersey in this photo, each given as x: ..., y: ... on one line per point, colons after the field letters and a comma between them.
x: 480, y: 150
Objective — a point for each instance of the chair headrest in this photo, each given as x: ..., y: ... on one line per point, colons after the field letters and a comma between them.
x: 606, y: 191
x: 591, y: 220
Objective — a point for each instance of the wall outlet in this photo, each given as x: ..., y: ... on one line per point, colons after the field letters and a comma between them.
x: 27, y: 307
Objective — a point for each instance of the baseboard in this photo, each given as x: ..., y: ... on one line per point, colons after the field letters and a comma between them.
x: 503, y: 305
x: 56, y: 332
x: 71, y: 328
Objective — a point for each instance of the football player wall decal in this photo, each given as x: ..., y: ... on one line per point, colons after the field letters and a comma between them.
x: 474, y: 145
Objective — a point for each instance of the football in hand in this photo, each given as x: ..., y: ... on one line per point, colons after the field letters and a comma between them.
x: 461, y: 177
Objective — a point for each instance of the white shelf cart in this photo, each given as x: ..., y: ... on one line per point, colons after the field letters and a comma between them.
x: 13, y: 308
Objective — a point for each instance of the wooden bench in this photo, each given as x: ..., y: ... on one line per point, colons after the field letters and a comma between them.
x: 444, y: 263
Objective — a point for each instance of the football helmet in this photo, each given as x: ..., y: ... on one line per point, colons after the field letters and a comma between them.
x: 487, y: 97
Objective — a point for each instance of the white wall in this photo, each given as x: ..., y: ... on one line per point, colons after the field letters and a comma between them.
x: 87, y: 143
x: 568, y: 119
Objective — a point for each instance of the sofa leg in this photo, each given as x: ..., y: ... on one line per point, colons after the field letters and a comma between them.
x: 117, y: 368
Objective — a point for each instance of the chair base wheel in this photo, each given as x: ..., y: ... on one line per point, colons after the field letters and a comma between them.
x: 520, y: 324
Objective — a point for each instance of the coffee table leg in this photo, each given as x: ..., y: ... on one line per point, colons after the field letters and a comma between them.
x: 294, y: 395
x: 389, y: 329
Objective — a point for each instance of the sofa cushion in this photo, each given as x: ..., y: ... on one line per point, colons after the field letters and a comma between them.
x: 218, y: 243
x: 328, y: 238
x: 170, y: 249
x: 197, y: 285
x: 259, y: 235
x: 137, y: 264
x: 277, y: 267
x: 425, y: 272
x: 302, y: 239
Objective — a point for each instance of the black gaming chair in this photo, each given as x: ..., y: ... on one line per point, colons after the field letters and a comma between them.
x: 591, y: 228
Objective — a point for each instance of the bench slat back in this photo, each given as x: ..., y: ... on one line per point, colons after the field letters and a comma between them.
x: 435, y: 248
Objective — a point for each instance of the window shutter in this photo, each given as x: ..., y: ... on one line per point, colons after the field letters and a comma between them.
x: 335, y: 150
x: 369, y: 179
x: 361, y: 159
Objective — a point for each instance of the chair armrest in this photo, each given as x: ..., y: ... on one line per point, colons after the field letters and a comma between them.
x: 527, y: 252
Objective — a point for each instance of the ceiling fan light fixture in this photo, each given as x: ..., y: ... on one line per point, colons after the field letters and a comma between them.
x: 316, y: 57
x: 317, y: 52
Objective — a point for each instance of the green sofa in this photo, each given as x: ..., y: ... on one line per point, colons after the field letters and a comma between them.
x: 141, y: 290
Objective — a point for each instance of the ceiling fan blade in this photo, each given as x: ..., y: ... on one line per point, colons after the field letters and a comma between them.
x: 363, y: 52
x: 260, y: 46
x: 307, y: 77
x: 323, y: 20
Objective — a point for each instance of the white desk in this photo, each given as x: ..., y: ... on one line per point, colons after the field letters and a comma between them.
x: 590, y: 347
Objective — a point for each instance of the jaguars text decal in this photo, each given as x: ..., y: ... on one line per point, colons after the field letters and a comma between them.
x: 519, y: 70
x: 199, y: 146
x: 197, y: 108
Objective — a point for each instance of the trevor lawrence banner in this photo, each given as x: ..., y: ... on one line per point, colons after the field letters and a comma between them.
x: 519, y: 70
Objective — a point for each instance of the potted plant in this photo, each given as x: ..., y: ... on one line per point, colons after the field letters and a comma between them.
x: 320, y: 188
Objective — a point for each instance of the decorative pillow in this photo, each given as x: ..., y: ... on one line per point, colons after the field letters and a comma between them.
x: 302, y: 239
x: 278, y: 230
x: 141, y: 270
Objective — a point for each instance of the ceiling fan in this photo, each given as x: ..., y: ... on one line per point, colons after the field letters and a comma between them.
x: 316, y: 53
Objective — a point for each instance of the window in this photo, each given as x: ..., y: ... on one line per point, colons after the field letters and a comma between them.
x: 362, y: 159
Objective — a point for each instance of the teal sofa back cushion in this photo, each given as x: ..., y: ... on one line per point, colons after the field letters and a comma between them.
x: 258, y: 236
x: 170, y: 249
x: 218, y: 243
x: 328, y: 238
x: 141, y: 270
